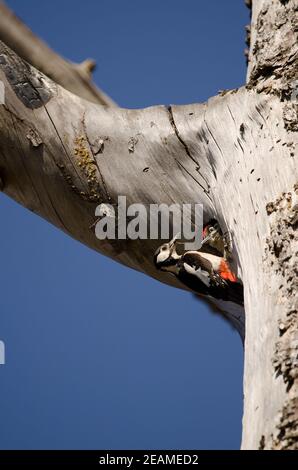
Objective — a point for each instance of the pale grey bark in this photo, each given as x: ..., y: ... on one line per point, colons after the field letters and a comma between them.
x: 270, y: 385
x: 237, y: 154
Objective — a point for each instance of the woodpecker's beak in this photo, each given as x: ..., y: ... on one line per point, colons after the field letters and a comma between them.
x: 173, y: 242
x: 166, y: 254
x: 206, y: 239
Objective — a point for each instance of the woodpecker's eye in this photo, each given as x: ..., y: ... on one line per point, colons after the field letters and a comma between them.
x: 164, y: 248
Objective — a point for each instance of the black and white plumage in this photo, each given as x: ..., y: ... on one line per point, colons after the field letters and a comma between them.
x: 204, y: 273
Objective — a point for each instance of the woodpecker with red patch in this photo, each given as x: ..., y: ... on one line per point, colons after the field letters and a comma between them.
x: 204, y: 273
x: 214, y: 241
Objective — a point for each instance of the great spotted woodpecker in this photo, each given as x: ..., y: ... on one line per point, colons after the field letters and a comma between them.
x: 203, y: 272
x: 214, y: 239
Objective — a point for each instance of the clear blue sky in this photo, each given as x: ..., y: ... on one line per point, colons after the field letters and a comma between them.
x: 99, y: 356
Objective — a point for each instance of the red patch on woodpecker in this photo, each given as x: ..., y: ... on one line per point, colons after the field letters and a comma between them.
x: 226, y: 273
x: 205, y: 231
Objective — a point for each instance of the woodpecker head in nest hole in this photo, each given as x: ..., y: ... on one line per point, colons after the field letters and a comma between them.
x: 202, y: 271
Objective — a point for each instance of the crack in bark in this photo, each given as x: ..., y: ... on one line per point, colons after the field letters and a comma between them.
x: 188, y: 153
x: 189, y: 173
x: 39, y: 92
x: 43, y: 103
x: 23, y: 164
x: 229, y: 109
x: 212, y: 136
x: 107, y: 195
x: 240, y: 145
x: 63, y: 146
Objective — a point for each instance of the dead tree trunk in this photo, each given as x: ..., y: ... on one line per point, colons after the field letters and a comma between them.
x: 60, y: 156
x: 270, y: 378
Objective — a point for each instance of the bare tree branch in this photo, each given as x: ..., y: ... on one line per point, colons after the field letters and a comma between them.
x: 74, y: 77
